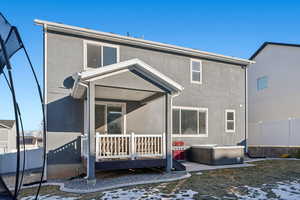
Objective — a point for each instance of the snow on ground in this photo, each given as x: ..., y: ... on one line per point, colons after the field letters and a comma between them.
x: 147, y: 194
x: 288, y: 190
x: 131, y: 194
x: 49, y: 197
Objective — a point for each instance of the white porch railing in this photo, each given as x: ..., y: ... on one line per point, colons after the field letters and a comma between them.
x: 129, y: 146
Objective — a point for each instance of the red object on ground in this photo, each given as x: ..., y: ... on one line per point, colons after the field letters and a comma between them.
x: 178, y: 153
x: 178, y: 143
x: 178, y: 150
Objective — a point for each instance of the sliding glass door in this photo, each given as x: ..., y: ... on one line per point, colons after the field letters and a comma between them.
x: 109, y: 118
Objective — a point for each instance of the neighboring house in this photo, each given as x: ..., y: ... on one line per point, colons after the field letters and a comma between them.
x: 274, y: 114
x: 7, y: 136
x: 31, y: 142
x: 129, y: 98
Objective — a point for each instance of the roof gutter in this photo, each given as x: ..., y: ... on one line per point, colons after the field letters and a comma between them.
x: 142, y: 43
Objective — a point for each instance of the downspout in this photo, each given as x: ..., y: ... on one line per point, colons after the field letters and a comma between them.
x: 246, y: 109
x: 86, y: 127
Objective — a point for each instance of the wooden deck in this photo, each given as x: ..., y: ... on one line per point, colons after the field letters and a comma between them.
x: 129, y: 164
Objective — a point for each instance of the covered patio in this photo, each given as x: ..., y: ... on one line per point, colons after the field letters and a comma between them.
x: 127, y: 116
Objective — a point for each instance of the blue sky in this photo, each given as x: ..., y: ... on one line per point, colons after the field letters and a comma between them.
x: 234, y: 28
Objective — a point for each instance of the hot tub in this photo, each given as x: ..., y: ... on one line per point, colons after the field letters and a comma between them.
x: 217, y: 155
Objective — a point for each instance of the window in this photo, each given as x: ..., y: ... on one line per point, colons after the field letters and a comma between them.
x: 196, y: 71
x: 99, y: 54
x: 262, y: 83
x: 189, y: 121
x: 110, y: 117
x: 230, y: 121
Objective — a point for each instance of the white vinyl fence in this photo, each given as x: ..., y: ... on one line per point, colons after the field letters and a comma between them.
x: 284, y: 133
x: 34, y: 160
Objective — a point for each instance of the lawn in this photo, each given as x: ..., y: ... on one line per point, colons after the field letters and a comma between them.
x: 271, y: 179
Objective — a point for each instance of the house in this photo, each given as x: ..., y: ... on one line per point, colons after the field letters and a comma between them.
x: 7, y: 136
x: 31, y: 142
x: 274, y: 115
x: 129, y: 99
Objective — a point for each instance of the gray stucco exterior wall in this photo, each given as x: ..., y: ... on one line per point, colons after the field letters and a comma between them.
x: 280, y: 64
x: 64, y: 114
x: 273, y: 111
x: 222, y: 88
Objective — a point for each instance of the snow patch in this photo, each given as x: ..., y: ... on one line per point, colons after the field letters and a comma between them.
x: 49, y: 197
x: 131, y: 194
x: 151, y: 193
x: 253, y: 193
x: 288, y: 190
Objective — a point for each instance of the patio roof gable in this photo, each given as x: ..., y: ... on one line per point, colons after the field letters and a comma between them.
x: 138, y: 69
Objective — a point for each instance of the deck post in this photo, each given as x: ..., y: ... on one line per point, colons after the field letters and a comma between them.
x: 91, y: 136
x: 132, y: 146
x: 98, y: 145
x: 168, y: 131
x: 163, y: 147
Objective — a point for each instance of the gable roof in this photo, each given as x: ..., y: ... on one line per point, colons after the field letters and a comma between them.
x: 131, y: 65
x: 7, y: 123
x: 140, y: 42
x: 271, y: 43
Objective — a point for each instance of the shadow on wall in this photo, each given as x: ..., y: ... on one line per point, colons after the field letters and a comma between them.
x: 67, y: 154
x: 65, y: 115
x: 242, y: 143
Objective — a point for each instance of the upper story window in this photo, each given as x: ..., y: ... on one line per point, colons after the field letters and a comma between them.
x: 188, y: 121
x: 262, y: 83
x: 100, y: 54
x: 196, y: 71
x: 230, y: 121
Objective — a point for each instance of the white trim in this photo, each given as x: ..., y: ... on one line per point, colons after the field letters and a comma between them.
x: 45, y: 74
x: 226, y: 120
x: 101, y: 44
x: 191, y: 71
x: 108, y: 75
x: 142, y: 43
x: 123, y: 106
x: 198, y: 109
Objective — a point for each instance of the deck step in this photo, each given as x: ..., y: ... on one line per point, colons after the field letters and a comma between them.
x: 178, y: 166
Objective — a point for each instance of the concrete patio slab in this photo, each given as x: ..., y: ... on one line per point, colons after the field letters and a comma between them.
x: 80, y: 186
x: 196, y: 167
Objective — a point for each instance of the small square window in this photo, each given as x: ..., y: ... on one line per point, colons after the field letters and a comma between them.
x: 230, y: 120
x: 196, y: 71
x: 262, y: 83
